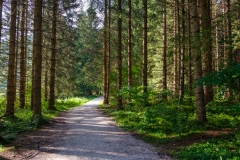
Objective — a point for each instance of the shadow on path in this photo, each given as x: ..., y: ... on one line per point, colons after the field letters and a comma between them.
x: 82, y: 133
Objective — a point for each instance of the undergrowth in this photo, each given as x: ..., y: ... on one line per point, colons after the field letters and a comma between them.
x: 213, y: 149
x: 167, y: 122
x: 1, y: 148
x: 22, y: 122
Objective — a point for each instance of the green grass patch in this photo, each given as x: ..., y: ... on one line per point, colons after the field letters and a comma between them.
x: 212, y: 149
x: 168, y: 124
x: 1, y: 148
x: 22, y: 121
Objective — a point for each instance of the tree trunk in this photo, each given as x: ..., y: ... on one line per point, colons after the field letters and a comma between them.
x: 179, y: 46
x: 145, y: 54
x: 206, y: 46
x: 17, y: 48
x: 37, y: 110
x: 229, y: 33
x: 164, y: 57
x: 23, y: 59
x: 129, y: 43
x: 119, y: 56
x: 229, y: 46
x: 219, y: 36
x: 182, y: 54
x: 190, y: 79
x: 46, y: 80
x: 195, y: 44
x: 1, y: 7
x: 176, y: 80
x: 33, y: 71
x: 105, y: 65
x: 109, y: 51
x: 11, y: 91
x: 51, y: 102
x: 26, y: 43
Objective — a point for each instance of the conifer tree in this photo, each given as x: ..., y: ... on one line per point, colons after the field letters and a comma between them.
x: 37, y: 59
x: 11, y: 85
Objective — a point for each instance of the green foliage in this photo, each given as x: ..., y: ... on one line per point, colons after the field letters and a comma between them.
x: 213, y: 149
x: 162, y: 119
x: 138, y: 100
x: 135, y: 95
x: 228, y: 77
x: 1, y: 148
x: 10, y: 127
x: 224, y: 115
x: 163, y: 122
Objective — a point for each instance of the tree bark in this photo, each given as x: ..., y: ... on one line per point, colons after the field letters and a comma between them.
x: 229, y: 33
x: 23, y: 59
x: 129, y: 43
x: 195, y: 44
x: 145, y: 54
x: 17, y: 48
x: 37, y: 109
x: 176, y: 73
x: 105, y: 65
x: 26, y: 43
x: 182, y: 54
x: 109, y: 51
x: 164, y: 57
x: 190, y: 79
x: 1, y: 7
x: 33, y: 72
x: 11, y: 88
x: 119, y: 56
x: 51, y: 102
x: 206, y: 46
x: 46, y: 78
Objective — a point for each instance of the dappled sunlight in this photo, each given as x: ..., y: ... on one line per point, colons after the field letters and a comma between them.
x: 84, y: 133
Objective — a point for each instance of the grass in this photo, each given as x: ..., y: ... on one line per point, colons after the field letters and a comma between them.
x: 22, y: 122
x: 173, y: 128
x: 1, y: 148
x: 212, y: 149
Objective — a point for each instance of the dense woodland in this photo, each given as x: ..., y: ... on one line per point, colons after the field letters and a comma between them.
x: 143, y: 56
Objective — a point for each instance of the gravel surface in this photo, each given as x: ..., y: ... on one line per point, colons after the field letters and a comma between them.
x: 84, y: 133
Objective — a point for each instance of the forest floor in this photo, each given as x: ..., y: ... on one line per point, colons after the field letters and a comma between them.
x: 82, y: 133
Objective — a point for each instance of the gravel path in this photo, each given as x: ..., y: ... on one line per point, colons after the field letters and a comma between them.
x: 84, y: 133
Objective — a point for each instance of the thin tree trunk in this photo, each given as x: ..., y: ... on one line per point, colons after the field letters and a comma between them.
x: 37, y: 110
x: 33, y: 71
x: 109, y: 51
x: 17, y: 48
x: 164, y: 57
x: 229, y: 32
x: 179, y: 46
x: 119, y: 56
x: 145, y: 54
x: 11, y: 91
x: 195, y: 44
x: 228, y: 44
x: 175, y: 49
x: 46, y: 80
x: 129, y: 43
x: 51, y: 102
x: 206, y: 46
x: 182, y: 54
x: 22, y: 89
x: 190, y: 79
x: 105, y: 55
x: 1, y: 7
x: 220, y: 36
x: 26, y: 44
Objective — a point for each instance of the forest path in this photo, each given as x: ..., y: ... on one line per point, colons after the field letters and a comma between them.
x: 83, y: 133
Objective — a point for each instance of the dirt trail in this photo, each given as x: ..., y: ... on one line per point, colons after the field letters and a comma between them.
x: 82, y: 133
